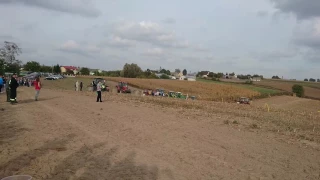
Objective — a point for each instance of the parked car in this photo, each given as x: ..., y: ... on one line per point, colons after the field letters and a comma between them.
x: 53, y: 77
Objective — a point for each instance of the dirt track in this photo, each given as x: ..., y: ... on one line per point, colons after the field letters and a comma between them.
x: 70, y: 136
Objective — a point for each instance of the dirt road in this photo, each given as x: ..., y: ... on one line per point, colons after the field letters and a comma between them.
x: 66, y: 135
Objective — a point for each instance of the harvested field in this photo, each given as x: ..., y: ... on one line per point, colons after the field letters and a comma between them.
x: 202, y: 90
x: 240, y: 83
x: 290, y: 103
x: 67, y: 135
x: 287, y: 86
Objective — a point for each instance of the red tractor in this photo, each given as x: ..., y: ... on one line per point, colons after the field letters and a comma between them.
x: 122, y: 87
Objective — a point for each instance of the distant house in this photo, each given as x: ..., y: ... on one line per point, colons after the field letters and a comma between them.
x: 182, y: 77
x: 230, y: 76
x: 65, y: 69
x: 192, y: 76
x: 178, y: 75
x: 204, y: 74
x: 255, y: 79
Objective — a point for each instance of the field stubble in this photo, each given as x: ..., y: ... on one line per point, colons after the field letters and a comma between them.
x: 203, y: 91
x: 303, y: 125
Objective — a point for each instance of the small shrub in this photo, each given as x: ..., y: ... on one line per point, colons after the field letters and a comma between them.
x: 298, y: 89
x: 164, y: 76
x: 248, y: 82
x: 185, y: 79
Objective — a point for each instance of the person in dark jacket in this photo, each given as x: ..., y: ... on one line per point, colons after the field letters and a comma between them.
x: 13, y: 85
x: 81, y: 85
x: 7, y: 90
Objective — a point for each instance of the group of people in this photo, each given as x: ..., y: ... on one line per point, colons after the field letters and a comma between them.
x: 10, y: 85
x: 78, y: 86
x: 96, y: 87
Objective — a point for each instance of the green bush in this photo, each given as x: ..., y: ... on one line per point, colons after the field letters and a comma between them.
x: 298, y: 89
x: 164, y: 76
x: 248, y: 82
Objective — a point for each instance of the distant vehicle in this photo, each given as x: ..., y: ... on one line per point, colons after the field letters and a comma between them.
x: 53, y: 77
x: 243, y: 100
x: 123, y: 87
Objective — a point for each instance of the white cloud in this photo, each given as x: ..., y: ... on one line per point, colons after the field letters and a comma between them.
x: 80, y: 7
x: 148, y: 32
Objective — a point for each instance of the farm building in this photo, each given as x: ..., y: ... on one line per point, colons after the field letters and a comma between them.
x: 65, y: 69
x: 255, y: 79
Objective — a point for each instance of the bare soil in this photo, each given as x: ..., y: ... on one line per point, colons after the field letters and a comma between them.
x: 67, y: 135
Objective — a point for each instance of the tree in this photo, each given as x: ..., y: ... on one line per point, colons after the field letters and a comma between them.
x: 298, y: 89
x: 2, y: 67
x: 32, y: 66
x: 164, y: 76
x: 219, y: 75
x: 8, y: 54
x: 275, y: 77
x: 312, y: 80
x: 318, y: 80
x: 164, y: 71
x: 57, y: 69
x: 46, y: 69
x: 232, y: 74
x: 84, y: 71
x: 305, y: 79
x: 131, y: 70
x: 177, y: 71
x: 184, y: 72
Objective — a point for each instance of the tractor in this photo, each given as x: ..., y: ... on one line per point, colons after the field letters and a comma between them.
x: 159, y: 92
x: 104, y: 86
x: 122, y: 87
x: 172, y: 94
x: 148, y: 92
x: 180, y: 95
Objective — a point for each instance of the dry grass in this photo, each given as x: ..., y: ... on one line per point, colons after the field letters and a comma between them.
x: 203, y: 91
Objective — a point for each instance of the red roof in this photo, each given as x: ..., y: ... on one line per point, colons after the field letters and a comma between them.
x: 70, y: 67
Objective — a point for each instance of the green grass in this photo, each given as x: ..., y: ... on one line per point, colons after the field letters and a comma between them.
x: 261, y: 90
x: 302, y: 83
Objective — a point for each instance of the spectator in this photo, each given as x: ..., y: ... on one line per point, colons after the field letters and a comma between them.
x: 99, y: 92
x: 1, y: 84
x: 81, y: 85
x: 13, y: 85
x: 37, y: 87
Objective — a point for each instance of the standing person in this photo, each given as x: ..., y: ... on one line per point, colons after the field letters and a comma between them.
x: 81, y: 85
x: 1, y: 84
x: 99, y: 92
x: 4, y: 82
x: 77, y: 86
x: 13, y: 85
x: 37, y: 87
x: 7, y: 90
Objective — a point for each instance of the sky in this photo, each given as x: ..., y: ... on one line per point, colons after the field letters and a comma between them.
x: 268, y: 37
